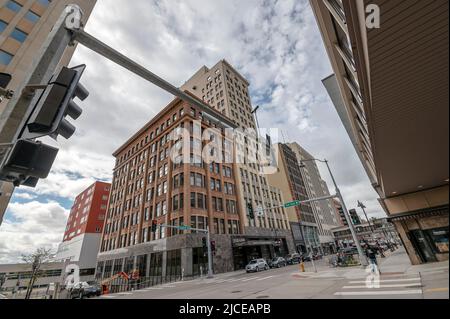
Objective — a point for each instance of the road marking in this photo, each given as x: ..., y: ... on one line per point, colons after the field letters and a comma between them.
x: 373, y: 293
x: 383, y: 286
x: 125, y: 293
x: 168, y: 286
x: 387, y: 280
x: 433, y: 269
x: 108, y: 296
x: 245, y: 280
x: 265, y: 278
x: 437, y: 290
x: 154, y: 288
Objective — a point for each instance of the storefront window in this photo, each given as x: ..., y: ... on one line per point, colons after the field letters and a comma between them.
x: 439, y: 237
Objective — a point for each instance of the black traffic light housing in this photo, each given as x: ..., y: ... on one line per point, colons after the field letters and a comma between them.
x: 251, y: 212
x: 205, y: 244
x: 154, y: 225
x: 213, y: 246
x: 27, y: 162
x: 48, y: 117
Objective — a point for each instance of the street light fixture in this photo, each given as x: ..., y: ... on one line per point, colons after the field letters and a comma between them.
x: 361, y: 254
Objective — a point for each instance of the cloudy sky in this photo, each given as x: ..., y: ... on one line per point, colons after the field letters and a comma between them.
x: 276, y: 45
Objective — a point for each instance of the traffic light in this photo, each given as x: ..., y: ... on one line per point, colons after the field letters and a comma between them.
x: 27, y: 162
x: 154, y: 225
x: 205, y: 244
x: 56, y: 102
x: 251, y: 212
x: 213, y: 246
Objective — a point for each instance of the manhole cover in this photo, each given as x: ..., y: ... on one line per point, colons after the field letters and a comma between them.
x: 262, y: 297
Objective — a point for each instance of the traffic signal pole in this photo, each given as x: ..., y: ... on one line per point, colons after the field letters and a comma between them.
x: 20, y: 104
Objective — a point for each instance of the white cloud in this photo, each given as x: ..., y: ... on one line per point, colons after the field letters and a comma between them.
x: 35, y: 225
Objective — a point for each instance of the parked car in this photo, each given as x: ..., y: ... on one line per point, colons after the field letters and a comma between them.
x: 278, y: 262
x: 293, y: 259
x: 85, y: 290
x: 257, y: 265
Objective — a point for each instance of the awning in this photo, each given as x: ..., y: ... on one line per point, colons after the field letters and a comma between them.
x: 443, y: 210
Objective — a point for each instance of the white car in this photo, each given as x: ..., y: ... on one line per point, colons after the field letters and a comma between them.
x: 257, y: 265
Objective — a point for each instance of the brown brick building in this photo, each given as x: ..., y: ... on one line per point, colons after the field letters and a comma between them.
x: 151, y: 182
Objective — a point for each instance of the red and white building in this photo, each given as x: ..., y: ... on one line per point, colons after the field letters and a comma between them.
x: 85, y: 226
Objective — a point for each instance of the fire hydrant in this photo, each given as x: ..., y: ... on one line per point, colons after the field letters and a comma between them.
x: 302, y: 266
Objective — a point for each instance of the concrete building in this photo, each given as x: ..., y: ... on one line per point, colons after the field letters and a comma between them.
x: 226, y: 90
x: 340, y: 216
x: 85, y: 227
x: 154, y: 181
x: 316, y: 187
x: 380, y: 230
x: 289, y: 179
x: 24, y: 27
x: 391, y: 91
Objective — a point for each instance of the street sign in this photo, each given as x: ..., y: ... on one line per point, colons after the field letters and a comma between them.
x: 292, y: 204
x: 184, y: 227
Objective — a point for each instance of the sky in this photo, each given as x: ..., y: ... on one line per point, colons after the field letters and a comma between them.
x: 276, y: 45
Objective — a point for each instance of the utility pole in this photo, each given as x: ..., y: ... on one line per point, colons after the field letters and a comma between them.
x: 363, y: 207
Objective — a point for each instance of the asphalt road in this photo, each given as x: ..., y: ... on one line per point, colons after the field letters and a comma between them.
x: 290, y: 283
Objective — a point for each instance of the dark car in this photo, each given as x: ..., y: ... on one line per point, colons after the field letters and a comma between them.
x: 277, y: 262
x: 293, y: 259
x: 85, y: 290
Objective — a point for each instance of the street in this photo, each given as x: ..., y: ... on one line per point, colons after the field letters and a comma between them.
x: 399, y: 280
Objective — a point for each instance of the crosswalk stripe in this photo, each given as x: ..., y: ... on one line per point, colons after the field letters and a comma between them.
x: 383, y: 286
x: 373, y: 293
x: 387, y: 280
x: 108, y: 296
x: 265, y: 278
x: 125, y: 293
x: 250, y: 279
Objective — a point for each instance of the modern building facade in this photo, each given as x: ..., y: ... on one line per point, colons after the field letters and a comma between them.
x: 393, y: 98
x: 84, y: 228
x: 289, y: 179
x: 24, y: 27
x: 316, y: 187
x: 227, y: 91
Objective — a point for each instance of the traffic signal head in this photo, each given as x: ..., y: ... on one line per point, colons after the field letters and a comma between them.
x: 27, y: 162
x: 48, y: 117
x: 154, y: 225
x: 205, y: 243
x: 251, y: 212
x: 213, y: 246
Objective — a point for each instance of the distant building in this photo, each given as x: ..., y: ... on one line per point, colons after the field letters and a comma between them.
x: 340, y: 216
x: 290, y: 180
x: 316, y: 187
x: 85, y: 227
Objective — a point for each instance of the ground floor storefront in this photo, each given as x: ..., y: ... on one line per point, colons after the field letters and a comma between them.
x: 424, y: 234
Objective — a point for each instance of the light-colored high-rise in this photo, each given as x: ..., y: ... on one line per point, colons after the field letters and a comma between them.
x: 316, y: 187
x: 226, y: 90
x: 24, y: 27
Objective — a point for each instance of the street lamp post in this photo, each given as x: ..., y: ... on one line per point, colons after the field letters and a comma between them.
x: 363, y: 207
x: 361, y: 254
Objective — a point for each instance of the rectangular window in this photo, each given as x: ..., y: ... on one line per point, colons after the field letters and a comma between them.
x: 45, y: 3
x: 19, y: 35
x: 3, y: 26
x: 14, y: 6
x: 5, y: 57
x: 32, y: 17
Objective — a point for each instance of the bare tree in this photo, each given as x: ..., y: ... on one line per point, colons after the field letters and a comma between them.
x: 36, y: 259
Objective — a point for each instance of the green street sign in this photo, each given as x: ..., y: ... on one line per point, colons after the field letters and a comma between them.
x: 184, y: 227
x: 292, y: 204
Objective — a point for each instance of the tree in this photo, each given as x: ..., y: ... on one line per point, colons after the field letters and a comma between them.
x: 36, y: 260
